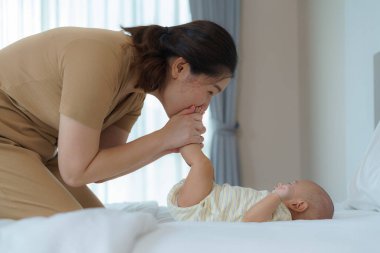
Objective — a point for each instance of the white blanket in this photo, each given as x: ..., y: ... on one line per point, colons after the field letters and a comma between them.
x: 91, y: 230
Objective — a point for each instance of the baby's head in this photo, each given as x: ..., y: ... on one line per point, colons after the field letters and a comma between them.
x: 309, y: 201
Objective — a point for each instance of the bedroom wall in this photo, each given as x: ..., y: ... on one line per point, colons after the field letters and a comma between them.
x: 362, y: 46
x: 268, y: 104
x: 291, y: 95
x: 322, y: 89
x: 338, y: 44
x: 306, y: 90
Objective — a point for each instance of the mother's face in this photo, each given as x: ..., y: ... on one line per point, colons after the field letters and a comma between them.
x: 184, y: 89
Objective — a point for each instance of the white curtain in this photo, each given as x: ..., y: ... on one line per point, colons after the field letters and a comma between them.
x: 224, y: 148
x: 20, y: 18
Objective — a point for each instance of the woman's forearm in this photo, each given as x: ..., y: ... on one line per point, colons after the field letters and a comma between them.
x: 124, y: 173
x: 123, y: 159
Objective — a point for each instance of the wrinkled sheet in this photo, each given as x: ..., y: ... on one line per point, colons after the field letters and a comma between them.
x: 95, y: 230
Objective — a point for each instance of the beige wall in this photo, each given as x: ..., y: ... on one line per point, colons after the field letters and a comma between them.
x: 291, y: 93
x: 322, y: 89
x: 268, y: 107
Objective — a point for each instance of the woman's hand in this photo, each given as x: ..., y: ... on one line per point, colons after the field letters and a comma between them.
x: 184, y: 128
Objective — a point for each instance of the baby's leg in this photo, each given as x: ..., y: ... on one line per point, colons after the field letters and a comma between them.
x: 198, y: 184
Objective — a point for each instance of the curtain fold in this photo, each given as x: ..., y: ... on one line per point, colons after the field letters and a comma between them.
x: 224, y: 148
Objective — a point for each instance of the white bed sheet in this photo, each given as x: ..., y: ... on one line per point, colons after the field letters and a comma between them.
x: 350, y: 232
x: 146, y: 228
x: 95, y: 230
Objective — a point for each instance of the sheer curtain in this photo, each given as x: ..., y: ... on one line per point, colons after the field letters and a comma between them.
x: 224, y: 148
x: 20, y: 18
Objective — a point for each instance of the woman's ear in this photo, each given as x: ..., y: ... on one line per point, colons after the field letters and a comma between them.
x: 179, y: 68
x: 298, y: 205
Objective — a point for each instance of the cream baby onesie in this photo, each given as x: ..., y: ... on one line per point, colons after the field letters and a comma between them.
x: 224, y: 203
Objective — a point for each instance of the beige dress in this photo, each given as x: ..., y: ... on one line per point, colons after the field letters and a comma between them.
x: 83, y: 73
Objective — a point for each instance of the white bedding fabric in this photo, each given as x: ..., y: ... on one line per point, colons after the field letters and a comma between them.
x: 144, y: 228
x: 93, y: 230
x: 349, y: 232
x: 364, y: 190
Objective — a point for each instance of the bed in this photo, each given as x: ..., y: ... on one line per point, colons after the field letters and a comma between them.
x: 146, y: 227
x: 150, y: 229
x: 350, y: 231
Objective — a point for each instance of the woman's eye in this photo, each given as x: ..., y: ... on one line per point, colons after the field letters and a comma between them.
x: 210, y: 93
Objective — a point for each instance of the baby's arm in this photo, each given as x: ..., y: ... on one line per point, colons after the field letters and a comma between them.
x: 199, y: 182
x: 264, y: 209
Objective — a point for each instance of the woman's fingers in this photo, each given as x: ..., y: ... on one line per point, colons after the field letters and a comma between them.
x: 200, y: 128
x: 197, y: 139
x: 197, y: 116
x: 184, y: 128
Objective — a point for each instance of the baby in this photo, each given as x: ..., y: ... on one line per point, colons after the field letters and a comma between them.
x: 198, y: 198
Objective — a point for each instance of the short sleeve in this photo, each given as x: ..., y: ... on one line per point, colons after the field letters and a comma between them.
x: 205, y: 210
x: 90, y: 71
x: 282, y: 213
x: 135, y: 103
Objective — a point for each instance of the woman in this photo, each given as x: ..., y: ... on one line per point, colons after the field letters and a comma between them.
x: 69, y: 97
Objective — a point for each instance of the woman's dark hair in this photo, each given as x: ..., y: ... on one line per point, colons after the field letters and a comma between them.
x: 207, y: 47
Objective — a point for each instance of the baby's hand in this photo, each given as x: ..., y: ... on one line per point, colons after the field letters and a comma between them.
x: 284, y: 191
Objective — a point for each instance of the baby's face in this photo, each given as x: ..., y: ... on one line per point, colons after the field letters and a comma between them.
x: 294, y: 189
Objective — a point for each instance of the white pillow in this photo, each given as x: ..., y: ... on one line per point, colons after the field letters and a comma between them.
x: 364, y: 190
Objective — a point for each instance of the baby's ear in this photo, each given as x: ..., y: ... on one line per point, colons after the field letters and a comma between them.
x: 298, y: 205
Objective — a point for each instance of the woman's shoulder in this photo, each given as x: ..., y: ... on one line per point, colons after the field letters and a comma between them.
x: 102, y: 44
x: 83, y: 31
x: 71, y: 33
